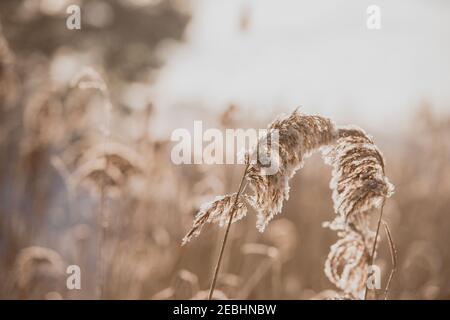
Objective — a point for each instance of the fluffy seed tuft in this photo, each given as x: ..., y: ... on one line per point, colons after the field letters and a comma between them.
x: 298, y: 137
x: 216, y: 211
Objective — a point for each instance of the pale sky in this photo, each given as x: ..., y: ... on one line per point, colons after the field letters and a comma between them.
x: 318, y: 54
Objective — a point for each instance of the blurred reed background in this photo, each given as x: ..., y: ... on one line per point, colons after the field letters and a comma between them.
x: 86, y: 176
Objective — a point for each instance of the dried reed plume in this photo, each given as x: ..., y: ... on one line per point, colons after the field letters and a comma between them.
x: 347, y: 264
x: 358, y: 181
x: 109, y: 166
x: 359, y: 185
x: 37, y: 269
x: 298, y: 137
x: 42, y: 119
x: 219, y: 210
x: 99, y: 177
x: 9, y: 81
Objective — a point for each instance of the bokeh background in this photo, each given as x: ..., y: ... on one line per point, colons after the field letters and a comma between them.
x: 85, y: 121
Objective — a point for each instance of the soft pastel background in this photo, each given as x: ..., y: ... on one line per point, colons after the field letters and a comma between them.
x: 230, y: 64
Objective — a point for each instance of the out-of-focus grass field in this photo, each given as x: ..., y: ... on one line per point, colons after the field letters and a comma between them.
x: 52, y: 195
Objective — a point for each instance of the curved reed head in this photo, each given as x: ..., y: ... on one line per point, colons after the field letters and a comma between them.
x: 298, y: 136
x: 347, y: 264
x: 38, y: 271
x: 216, y: 211
x: 358, y: 179
x: 359, y: 185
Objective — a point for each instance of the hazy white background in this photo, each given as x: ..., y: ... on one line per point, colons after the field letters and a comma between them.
x: 318, y: 54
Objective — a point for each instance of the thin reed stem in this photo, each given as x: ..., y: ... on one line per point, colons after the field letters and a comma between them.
x: 104, y: 217
x: 375, y: 243
x: 219, y: 260
x: 255, y: 278
x: 103, y: 222
x: 393, y: 251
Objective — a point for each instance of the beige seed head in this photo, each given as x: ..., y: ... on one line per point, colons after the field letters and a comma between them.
x: 9, y: 81
x: 298, y: 137
x: 359, y: 185
x: 216, y: 211
x: 347, y: 264
x: 37, y: 264
x: 358, y: 180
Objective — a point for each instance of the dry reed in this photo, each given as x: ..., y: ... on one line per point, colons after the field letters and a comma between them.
x: 9, y: 83
x: 393, y: 252
x: 359, y: 186
x: 358, y: 181
x: 298, y: 137
x: 39, y: 271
